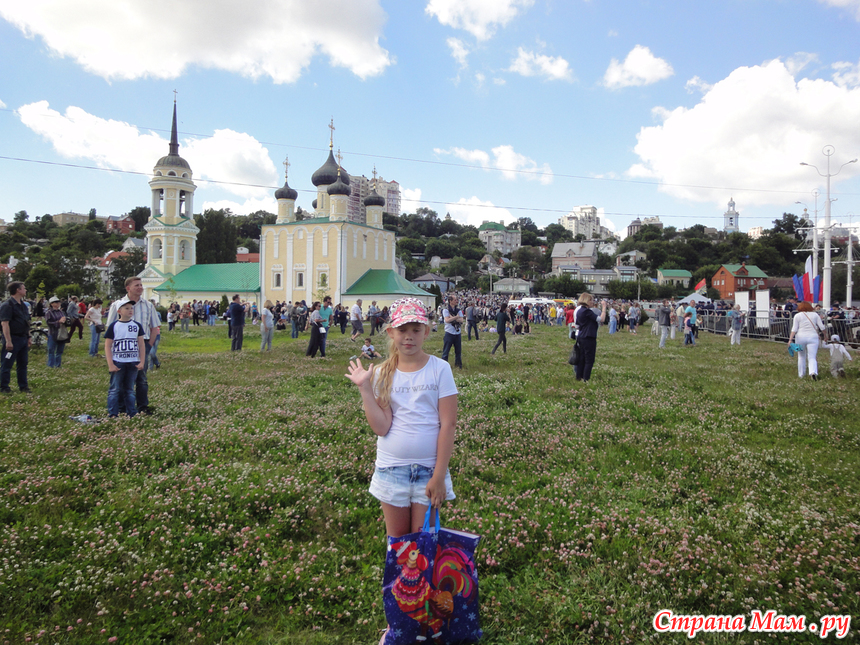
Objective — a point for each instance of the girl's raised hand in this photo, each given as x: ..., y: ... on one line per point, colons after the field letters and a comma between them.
x: 357, y: 374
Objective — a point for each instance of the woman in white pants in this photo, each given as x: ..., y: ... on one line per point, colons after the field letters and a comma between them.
x: 804, y: 331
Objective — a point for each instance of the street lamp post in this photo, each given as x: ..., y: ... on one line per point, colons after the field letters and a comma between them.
x: 827, y: 151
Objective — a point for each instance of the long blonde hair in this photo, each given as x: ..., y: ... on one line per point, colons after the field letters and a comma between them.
x: 385, y: 370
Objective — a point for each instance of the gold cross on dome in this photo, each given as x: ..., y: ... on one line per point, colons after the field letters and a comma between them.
x: 374, y: 174
x: 286, y: 166
x: 331, y: 140
x: 339, y: 158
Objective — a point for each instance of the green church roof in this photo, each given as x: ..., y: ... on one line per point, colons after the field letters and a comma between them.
x: 378, y: 281
x: 237, y: 277
x: 675, y: 273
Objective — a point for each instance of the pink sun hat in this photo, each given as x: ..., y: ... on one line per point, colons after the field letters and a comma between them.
x: 408, y: 310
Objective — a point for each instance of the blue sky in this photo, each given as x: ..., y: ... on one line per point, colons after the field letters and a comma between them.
x: 487, y: 109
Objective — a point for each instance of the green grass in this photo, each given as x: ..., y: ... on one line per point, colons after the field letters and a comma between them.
x: 702, y: 480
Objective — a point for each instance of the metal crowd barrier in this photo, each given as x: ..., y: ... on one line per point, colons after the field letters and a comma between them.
x: 774, y: 327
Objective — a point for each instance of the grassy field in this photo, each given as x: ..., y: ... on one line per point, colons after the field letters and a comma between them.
x: 701, y: 480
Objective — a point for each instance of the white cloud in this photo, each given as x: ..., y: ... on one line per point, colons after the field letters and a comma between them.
x: 410, y: 200
x: 847, y: 74
x: 226, y: 156
x: 479, y: 17
x: 696, y: 84
x: 504, y: 158
x: 459, y: 51
x: 751, y: 130
x: 479, y: 79
x: 612, y: 33
x: 475, y: 212
x: 797, y: 63
x: 241, y: 208
x: 853, y: 5
x: 127, y: 39
x: 640, y: 67
x: 499, y: 81
x: 2, y: 105
x: 554, y: 68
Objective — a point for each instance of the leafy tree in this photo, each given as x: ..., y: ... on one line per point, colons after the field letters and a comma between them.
x: 65, y: 290
x: 224, y: 304
x: 557, y: 233
x: 410, y: 244
x: 604, y: 261
x: 249, y: 226
x: 441, y: 247
x: 20, y: 217
x: 526, y: 224
x: 40, y: 274
x: 140, y: 215
x: 89, y: 242
x: 450, y: 227
x: 92, y: 214
x: 216, y: 242
x: 125, y: 267
x: 459, y: 266
x: 529, y: 238
x: 563, y: 285
x: 789, y: 224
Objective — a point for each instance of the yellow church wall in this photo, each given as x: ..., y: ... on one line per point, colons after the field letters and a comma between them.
x: 304, y: 252
x: 182, y: 297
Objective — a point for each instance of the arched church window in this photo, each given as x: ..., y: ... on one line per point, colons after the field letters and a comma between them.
x: 323, y: 280
x: 300, y: 279
x: 156, y: 248
x: 171, y: 174
x: 277, y: 281
x: 182, y: 248
x: 185, y: 175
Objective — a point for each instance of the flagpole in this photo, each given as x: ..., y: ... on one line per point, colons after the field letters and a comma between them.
x: 828, y: 152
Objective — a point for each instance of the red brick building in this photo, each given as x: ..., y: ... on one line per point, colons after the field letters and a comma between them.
x: 122, y: 225
x: 731, y: 278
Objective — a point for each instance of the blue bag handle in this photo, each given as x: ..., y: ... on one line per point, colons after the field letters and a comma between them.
x: 426, y: 527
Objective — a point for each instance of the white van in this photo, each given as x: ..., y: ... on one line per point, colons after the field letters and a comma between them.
x: 531, y: 302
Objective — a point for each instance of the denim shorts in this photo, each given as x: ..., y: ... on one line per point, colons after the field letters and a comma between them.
x: 403, y: 486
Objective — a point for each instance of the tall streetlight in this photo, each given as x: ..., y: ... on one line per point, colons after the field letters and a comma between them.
x: 827, y: 151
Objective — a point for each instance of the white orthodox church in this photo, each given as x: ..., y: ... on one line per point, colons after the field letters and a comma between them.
x: 299, y: 260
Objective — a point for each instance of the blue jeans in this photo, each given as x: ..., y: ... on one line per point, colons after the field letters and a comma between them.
x: 470, y: 325
x: 122, y: 390
x: 613, y: 325
x: 455, y: 341
x: 153, y: 353
x: 295, y: 329
x: 55, y: 352
x: 20, y: 351
x: 212, y: 319
x: 94, y: 340
x: 141, y: 385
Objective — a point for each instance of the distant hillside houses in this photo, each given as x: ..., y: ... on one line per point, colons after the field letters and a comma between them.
x: 583, y: 220
x: 496, y: 237
x: 567, y: 255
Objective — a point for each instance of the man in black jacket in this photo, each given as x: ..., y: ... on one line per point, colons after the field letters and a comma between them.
x: 15, y: 323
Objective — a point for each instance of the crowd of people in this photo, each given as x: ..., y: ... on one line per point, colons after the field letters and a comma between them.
x: 461, y: 312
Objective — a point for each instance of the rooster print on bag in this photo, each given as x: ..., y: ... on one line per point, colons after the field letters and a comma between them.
x: 431, y: 606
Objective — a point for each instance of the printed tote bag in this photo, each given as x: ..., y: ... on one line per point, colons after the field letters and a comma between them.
x: 430, y: 587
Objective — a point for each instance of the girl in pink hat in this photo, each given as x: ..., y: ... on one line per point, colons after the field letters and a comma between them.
x: 410, y: 401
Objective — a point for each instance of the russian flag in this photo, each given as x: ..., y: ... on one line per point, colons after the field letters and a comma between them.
x: 810, y: 285
x: 701, y: 285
